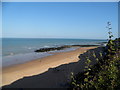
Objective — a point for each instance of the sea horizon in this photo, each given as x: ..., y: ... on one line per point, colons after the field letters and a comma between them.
x: 49, y: 38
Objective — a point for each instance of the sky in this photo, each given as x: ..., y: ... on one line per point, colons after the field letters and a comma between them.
x: 83, y: 20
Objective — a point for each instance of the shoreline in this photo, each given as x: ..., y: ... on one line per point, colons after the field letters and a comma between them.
x: 38, y: 66
x: 27, y: 57
x: 37, y: 54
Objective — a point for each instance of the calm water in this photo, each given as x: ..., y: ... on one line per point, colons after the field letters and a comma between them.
x: 21, y: 50
x: 19, y: 46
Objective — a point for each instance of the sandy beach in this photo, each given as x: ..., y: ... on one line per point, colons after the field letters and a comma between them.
x: 34, y: 67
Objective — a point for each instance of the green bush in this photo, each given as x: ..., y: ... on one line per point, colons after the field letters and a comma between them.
x: 105, y: 75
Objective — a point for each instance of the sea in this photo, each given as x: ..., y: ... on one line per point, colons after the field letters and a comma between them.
x: 21, y: 50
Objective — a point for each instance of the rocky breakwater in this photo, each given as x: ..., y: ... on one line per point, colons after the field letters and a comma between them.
x: 61, y: 48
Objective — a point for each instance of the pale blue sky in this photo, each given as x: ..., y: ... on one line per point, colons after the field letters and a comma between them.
x: 59, y: 20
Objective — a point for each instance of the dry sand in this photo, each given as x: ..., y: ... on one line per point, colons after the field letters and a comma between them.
x: 34, y: 67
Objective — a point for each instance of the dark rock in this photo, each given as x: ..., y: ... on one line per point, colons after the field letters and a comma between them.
x: 61, y: 48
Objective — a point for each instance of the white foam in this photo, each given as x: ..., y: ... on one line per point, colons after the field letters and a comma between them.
x: 46, y: 46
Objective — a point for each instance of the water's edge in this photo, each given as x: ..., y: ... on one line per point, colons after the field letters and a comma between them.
x: 23, y: 58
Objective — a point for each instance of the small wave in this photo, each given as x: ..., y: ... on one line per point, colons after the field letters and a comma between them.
x: 11, y: 54
x: 29, y: 48
x: 46, y: 46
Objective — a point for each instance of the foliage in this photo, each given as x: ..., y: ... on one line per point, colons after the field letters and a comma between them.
x: 105, y: 75
x: 109, y: 30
